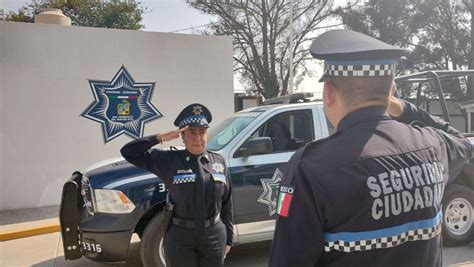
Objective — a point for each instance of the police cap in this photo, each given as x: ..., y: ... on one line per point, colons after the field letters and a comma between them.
x: 194, y: 115
x: 348, y: 53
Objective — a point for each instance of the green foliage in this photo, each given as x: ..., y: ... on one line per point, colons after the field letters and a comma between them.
x: 89, y: 13
x: 437, y: 33
x: 21, y: 16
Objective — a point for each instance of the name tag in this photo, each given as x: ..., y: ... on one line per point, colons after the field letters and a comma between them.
x: 184, y: 178
x: 219, y: 177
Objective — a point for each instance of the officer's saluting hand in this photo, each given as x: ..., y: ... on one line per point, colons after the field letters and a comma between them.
x: 199, y: 185
x: 169, y: 136
x: 395, y: 105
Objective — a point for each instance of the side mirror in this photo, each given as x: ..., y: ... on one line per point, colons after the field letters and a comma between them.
x: 255, y: 146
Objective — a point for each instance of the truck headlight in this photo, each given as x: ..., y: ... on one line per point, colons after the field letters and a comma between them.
x: 112, y: 201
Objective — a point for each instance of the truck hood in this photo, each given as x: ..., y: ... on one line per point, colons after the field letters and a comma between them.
x: 113, y: 173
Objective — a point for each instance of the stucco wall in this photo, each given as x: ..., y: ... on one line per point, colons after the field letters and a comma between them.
x: 44, y: 72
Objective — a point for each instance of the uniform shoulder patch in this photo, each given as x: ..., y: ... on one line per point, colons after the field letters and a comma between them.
x: 218, y: 167
x: 285, y: 195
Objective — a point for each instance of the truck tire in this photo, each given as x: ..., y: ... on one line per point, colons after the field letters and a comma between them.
x: 458, y: 215
x: 151, y: 244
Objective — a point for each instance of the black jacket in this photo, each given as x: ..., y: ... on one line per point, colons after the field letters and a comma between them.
x: 370, y: 194
x: 177, y: 169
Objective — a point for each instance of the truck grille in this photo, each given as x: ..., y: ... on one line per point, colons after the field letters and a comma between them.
x: 86, y: 192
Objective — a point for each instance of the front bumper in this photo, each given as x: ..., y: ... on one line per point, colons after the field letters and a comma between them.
x: 80, y: 237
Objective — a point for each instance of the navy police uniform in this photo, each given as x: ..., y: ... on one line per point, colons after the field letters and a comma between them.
x: 370, y: 194
x: 184, y: 174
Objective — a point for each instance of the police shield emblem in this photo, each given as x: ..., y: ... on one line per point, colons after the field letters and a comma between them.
x: 270, y: 191
x: 121, y: 106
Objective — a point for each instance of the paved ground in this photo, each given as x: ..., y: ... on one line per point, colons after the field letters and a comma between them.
x: 46, y: 250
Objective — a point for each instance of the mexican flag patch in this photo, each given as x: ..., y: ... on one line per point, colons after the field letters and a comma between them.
x: 284, y: 200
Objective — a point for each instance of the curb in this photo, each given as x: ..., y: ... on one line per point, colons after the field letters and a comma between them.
x: 27, y: 232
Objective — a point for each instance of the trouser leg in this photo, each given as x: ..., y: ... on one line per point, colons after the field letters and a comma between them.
x: 180, y: 247
x: 211, y: 253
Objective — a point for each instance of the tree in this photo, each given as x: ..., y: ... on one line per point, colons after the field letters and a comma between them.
x: 21, y: 16
x: 90, y: 13
x: 438, y: 34
x: 261, y: 39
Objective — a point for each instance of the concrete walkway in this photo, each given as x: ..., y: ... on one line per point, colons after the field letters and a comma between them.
x: 31, y: 237
x: 27, y: 242
x: 22, y: 223
x: 47, y: 251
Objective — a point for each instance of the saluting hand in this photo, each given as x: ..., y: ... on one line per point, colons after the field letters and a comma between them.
x: 395, y: 105
x: 171, y: 135
x: 227, y: 249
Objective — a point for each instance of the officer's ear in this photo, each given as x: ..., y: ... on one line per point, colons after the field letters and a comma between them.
x: 329, y: 93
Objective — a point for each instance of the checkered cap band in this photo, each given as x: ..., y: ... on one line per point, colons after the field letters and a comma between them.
x: 384, y: 242
x: 376, y: 70
x: 182, y: 179
x: 196, y: 119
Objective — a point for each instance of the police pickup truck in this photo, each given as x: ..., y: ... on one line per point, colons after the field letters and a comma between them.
x: 102, y: 207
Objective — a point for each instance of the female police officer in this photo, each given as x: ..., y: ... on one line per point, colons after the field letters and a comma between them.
x: 201, y: 231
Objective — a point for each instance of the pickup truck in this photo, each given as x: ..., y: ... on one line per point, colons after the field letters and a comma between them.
x: 102, y: 207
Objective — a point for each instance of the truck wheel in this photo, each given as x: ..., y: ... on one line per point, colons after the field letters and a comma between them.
x: 151, y: 246
x: 458, y: 215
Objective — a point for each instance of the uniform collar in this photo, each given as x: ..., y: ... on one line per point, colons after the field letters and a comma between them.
x: 363, y: 114
x: 189, y: 156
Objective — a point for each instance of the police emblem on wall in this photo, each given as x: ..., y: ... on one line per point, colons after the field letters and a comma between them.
x: 270, y: 191
x: 121, y: 105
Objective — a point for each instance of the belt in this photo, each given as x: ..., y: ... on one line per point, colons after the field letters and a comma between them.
x: 192, y: 224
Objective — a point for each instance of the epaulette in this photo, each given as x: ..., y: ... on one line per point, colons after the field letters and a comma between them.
x: 315, y: 143
x: 212, y: 152
x: 417, y: 124
x: 215, y: 154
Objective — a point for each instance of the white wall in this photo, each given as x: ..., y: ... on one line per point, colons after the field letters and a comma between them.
x: 44, y: 72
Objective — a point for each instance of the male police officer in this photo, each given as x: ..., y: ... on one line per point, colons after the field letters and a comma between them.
x: 370, y: 194
x: 201, y: 232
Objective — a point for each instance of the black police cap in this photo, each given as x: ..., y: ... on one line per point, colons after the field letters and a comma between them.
x: 352, y: 54
x: 194, y: 115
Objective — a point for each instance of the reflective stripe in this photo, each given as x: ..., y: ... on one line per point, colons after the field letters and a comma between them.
x: 392, y: 231
x: 130, y: 180
x: 384, y: 238
x: 184, y: 178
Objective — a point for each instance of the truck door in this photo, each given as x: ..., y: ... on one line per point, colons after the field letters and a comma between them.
x: 256, y: 178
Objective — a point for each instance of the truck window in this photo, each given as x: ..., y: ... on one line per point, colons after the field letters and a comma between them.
x: 288, y: 131
x: 223, y: 133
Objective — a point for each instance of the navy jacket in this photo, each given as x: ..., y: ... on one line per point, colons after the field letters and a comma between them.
x: 178, y: 169
x: 370, y: 194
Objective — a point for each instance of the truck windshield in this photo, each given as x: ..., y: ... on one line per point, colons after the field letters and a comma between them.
x: 223, y: 133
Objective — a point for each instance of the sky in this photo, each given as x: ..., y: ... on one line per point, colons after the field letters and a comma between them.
x: 178, y: 16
